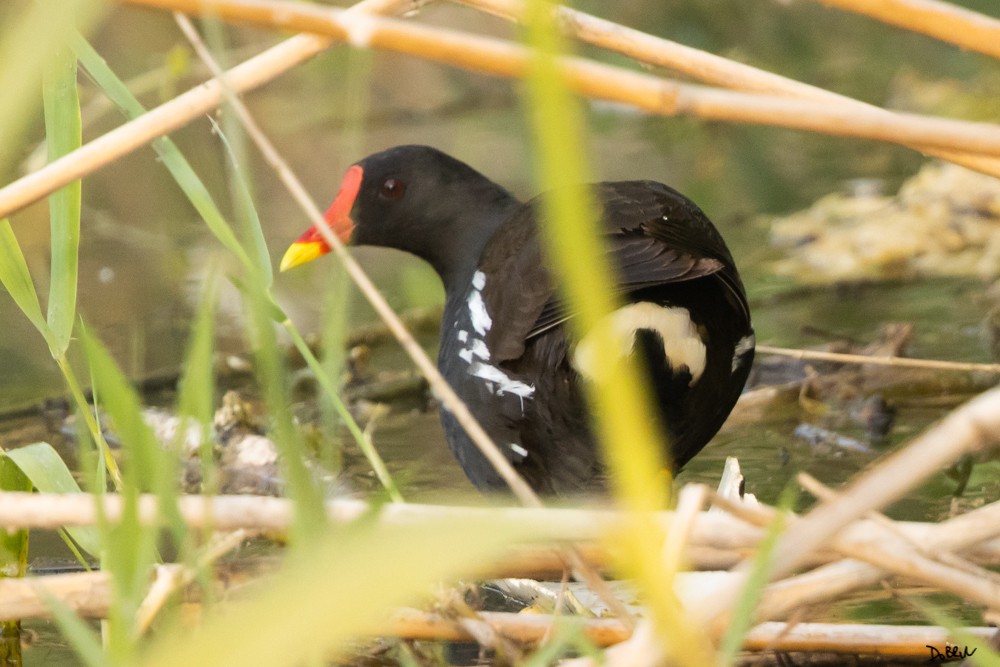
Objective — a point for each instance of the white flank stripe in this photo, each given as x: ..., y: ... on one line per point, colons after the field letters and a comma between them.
x: 481, y: 320
x: 504, y: 385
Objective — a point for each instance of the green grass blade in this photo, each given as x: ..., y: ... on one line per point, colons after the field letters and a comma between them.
x: 17, y: 281
x: 114, y: 394
x: 631, y: 443
x: 196, y: 389
x: 130, y: 548
x: 63, y: 134
x: 302, y: 488
x: 13, y: 543
x: 76, y: 631
x: 48, y: 473
x: 178, y: 166
x: 319, y: 601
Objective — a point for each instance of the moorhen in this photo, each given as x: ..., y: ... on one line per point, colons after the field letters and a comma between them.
x: 504, y: 345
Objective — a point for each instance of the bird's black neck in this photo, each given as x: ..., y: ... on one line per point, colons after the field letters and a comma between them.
x: 464, y: 235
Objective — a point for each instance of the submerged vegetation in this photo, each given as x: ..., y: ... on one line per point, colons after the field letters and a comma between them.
x: 141, y: 484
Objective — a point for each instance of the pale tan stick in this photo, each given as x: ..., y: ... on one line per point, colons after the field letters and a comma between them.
x: 410, y: 345
x: 907, y: 640
x: 700, y: 65
x: 942, y: 20
x: 903, y: 362
x: 593, y: 79
x: 224, y: 513
x: 87, y: 593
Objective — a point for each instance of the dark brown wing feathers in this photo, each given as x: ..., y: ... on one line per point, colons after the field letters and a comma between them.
x: 654, y: 236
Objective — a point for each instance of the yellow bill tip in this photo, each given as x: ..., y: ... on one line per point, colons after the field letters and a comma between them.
x: 301, y: 252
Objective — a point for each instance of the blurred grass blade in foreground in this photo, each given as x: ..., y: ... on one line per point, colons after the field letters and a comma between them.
x: 632, y: 447
x: 333, y: 590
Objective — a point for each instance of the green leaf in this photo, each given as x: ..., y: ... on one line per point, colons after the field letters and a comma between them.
x: 17, y: 281
x: 753, y: 590
x: 182, y: 171
x: 63, y: 135
x: 130, y: 548
x: 48, y: 473
x: 13, y: 544
x: 114, y: 394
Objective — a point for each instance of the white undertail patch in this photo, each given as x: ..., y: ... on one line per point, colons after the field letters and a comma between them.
x: 743, y: 346
x: 682, y: 344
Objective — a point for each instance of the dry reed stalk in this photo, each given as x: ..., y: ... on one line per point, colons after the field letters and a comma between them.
x: 901, y: 362
x: 718, y: 532
x: 485, y: 55
x: 170, y: 578
x: 86, y: 593
x: 942, y: 20
x: 962, y: 534
x: 701, y: 65
x: 592, y: 79
x: 814, y: 637
x: 224, y: 513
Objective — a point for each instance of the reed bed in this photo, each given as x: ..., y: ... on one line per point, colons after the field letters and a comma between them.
x: 356, y: 569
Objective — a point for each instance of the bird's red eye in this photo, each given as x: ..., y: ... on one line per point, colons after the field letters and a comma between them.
x: 393, y: 188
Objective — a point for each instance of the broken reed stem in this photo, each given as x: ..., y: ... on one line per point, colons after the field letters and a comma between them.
x: 703, y: 66
x: 962, y: 27
x: 483, y: 55
x: 903, y: 362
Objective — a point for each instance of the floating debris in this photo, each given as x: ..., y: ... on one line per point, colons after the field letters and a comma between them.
x: 945, y: 220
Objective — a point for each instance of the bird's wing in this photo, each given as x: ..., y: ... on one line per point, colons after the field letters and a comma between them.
x: 653, y: 235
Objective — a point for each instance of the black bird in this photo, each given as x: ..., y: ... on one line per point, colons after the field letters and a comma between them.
x: 504, y: 346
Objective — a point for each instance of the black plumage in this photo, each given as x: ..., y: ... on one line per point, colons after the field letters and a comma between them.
x: 504, y: 346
